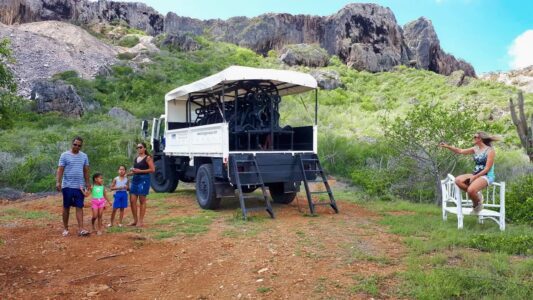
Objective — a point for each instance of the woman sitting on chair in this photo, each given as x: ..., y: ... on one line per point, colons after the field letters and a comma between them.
x: 483, y: 174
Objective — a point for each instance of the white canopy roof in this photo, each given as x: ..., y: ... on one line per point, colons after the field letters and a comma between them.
x: 287, y: 82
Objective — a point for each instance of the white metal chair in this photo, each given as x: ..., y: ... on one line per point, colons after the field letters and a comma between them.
x: 455, y: 201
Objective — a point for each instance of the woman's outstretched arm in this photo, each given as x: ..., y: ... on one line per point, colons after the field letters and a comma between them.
x: 457, y: 150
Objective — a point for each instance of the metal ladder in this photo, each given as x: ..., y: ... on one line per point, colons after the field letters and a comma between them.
x: 257, y: 181
x: 318, y: 172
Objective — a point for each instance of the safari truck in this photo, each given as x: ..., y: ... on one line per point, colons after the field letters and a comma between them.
x: 223, y: 133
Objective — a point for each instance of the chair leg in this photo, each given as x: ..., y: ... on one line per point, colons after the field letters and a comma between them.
x: 459, y: 222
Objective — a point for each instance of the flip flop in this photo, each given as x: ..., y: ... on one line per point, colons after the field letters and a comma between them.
x: 65, y: 233
x: 83, y: 233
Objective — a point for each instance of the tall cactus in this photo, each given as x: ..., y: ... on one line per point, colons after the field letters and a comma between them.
x: 525, y: 132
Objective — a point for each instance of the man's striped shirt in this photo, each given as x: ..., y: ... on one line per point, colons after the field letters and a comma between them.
x: 73, y: 174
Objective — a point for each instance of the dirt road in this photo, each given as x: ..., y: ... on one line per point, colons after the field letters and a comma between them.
x: 187, y: 253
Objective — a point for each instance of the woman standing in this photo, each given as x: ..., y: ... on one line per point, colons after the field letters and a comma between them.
x: 483, y: 174
x: 143, y: 165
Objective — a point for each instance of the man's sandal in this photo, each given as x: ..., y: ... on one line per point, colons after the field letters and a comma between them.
x: 65, y: 233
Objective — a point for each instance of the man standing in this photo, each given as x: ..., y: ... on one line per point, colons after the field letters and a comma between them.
x: 72, y: 175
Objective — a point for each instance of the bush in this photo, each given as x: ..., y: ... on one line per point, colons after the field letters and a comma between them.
x: 128, y: 41
x: 511, y: 244
x: 519, y: 200
x: 126, y: 56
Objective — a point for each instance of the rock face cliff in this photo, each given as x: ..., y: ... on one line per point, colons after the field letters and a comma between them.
x: 137, y: 15
x: 364, y: 36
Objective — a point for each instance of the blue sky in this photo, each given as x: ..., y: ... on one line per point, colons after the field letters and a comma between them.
x: 491, y: 34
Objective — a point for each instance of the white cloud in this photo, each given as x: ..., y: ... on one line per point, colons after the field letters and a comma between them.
x: 521, y: 50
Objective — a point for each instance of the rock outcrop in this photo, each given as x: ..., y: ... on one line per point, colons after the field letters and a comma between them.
x: 522, y: 78
x: 121, y: 114
x: 57, y: 96
x: 304, y: 55
x: 327, y: 79
x: 424, y: 48
x: 43, y: 49
x: 136, y: 15
x: 364, y: 36
x: 180, y: 42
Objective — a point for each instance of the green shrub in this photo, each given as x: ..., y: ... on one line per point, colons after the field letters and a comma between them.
x: 126, y: 56
x: 128, y: 41
x: 66, y: 75
x: 511, y: 244
x: 519, y: 200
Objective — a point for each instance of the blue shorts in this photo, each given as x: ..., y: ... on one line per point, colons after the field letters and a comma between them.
x: 121, y: 199
x: 140, y: 184
x: 72, y: 197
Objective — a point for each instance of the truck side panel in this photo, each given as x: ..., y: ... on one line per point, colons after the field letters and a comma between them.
x: 208, y: 140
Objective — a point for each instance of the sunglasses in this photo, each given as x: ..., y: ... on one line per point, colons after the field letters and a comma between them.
x: 76, y: 145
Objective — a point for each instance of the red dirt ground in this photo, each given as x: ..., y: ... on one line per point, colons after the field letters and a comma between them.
x: 294, y: 256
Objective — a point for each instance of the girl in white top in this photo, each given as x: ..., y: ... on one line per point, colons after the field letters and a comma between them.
x: 120, y: 185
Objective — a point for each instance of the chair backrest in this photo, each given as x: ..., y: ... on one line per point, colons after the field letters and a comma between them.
x: 449, y: 189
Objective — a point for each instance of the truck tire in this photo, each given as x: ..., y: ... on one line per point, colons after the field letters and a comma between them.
x: 159, y: 182
x: 278, y: 194
x: 205, y: 188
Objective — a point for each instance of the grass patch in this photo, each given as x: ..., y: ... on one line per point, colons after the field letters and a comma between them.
x: 368, y: 285
x: 241, y: 228
x: 189, y: 225
x: 14, y: 214
x: 442, y: 263
x: 116, y: 229
x: 358, y: 254
x: 264, y: 290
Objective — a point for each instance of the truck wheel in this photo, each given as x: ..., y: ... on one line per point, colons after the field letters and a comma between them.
x: 277, y: 192
x: 205, y: 188
x: 159, y: 182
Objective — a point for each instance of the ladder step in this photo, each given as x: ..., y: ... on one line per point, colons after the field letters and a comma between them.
x: 256, y: 208
x: 248, y: 172
x: 244, y: 161
x: 324, y: 192
x: 315, y: 181
x: 251, y: 183
x: 317, y: 170
x: 322, y: 203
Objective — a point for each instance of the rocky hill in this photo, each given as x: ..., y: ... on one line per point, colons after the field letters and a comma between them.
x: 522, y: 78
x: 43, y: 49
x: 364, y: 36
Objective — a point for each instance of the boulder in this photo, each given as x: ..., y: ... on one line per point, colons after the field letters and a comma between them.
x: 181, y: 42
x: 121, y: 114
x: 57, y: 96
x: 327, y: 79
x: 304, y: 55
x: 11, y: 194
x: 457, y: 78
